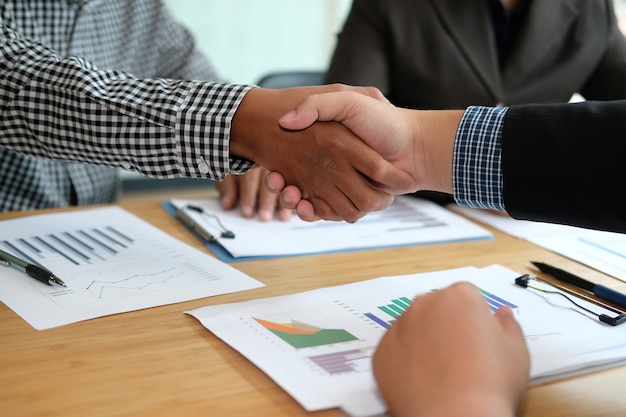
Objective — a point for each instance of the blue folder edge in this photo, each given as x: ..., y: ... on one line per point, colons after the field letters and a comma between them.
x: 225, y: 256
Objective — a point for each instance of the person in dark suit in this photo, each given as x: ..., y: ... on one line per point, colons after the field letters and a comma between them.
x: 443, y: 54
x: 559, y: 163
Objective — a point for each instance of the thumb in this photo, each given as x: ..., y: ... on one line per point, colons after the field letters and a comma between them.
x: 342, y: 107
x: 304, y: 115
x: 336, y: 106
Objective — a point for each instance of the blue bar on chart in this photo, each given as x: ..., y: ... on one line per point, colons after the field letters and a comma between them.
x: 494, y: 301
x: 393, y: 310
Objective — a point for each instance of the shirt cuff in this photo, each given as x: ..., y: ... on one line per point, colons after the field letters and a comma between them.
x: 203, y: 128
x: 476, y: 169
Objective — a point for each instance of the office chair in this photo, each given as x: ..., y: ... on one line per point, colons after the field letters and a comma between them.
x: 291, y: 79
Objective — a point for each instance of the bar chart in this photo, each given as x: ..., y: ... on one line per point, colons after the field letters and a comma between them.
x: 111, y: 261
x: 76, y: 247
x: 385, y: 315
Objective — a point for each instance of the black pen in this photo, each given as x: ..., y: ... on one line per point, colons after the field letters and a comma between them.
x: 598, y: 290
x: 31, y: 270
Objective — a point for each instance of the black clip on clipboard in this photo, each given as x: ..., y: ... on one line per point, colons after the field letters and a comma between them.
x: 199, y: 229
x: 620, y: 318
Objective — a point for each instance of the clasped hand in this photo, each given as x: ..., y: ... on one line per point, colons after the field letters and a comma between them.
x: 418, y: 144
x: 338, y: 176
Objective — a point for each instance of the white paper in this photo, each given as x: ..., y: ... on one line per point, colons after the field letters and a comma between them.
x: 335, y: 371
x: 604, y: 251
x: 111, y: 262
x: 408, y: 221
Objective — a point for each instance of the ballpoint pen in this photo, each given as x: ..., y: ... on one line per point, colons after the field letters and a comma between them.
x: 31, y: 270
x: 598, y: 290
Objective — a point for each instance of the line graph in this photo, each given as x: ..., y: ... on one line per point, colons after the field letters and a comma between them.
x: 111, y: 261
x: 134, y: 282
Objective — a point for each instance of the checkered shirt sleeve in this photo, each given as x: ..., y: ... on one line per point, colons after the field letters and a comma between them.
x: 67, y: 109
x: 477, y: 175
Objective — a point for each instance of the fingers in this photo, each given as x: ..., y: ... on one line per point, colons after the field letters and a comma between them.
x: 507, y: 320
x: 248, y: 192
x: 291, y: 199
x: 269, y: 205
x: 290, y: 196
x: 252, y: 196
x: 513, y: 330
x: 275, y: 183
x: 306, y: 211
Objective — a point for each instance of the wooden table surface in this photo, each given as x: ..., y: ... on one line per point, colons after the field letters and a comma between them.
x: 161, y: 362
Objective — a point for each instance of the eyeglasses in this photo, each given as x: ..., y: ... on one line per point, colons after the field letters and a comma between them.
x: 525, y: 282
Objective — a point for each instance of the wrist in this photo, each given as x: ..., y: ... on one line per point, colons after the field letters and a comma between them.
x: 435, y: 133
x: 242, y: 142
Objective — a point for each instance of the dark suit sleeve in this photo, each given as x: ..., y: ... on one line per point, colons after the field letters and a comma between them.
x: 564, y: 163
x: 360, y: 57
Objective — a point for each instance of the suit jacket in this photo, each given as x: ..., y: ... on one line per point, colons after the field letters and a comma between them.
x: 442, y: 53
x: 564, y: 163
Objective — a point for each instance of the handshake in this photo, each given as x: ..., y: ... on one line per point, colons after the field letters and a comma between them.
x: 337, y: 152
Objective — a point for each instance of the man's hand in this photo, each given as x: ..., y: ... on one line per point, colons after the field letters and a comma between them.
x: 251, y: 196
x: 419, y: 143
x: 447, y: 355
x: 342, y: 177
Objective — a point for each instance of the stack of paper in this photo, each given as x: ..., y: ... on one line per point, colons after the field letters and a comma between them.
x: 603, y: 251
x: 318, y: 345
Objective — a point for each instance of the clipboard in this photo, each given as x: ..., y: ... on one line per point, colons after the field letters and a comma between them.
x: 210, y: 241
x: 408, y: 221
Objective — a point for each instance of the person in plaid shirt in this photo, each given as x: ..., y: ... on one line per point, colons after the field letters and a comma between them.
x: 90, y: 86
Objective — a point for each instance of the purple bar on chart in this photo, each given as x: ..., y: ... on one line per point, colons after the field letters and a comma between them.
x: 378, y: 320
x: 341, y: 362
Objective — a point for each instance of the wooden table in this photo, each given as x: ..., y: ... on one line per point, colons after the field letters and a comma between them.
x: 161, y: 362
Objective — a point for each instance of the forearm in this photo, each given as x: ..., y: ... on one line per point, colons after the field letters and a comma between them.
x: 563, y: 163
x: 66, y: 109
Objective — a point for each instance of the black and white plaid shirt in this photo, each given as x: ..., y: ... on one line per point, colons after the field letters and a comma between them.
x: 90, y: 85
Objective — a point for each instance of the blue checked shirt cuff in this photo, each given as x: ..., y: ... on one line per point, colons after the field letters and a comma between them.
x: 476, y: 170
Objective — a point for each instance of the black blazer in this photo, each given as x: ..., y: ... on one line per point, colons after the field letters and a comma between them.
x: 564, y: 163
x: 442, y: 53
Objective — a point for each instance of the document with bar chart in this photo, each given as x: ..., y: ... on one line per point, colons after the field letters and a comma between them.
x: 318, y: 345
x: 111, y: 262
